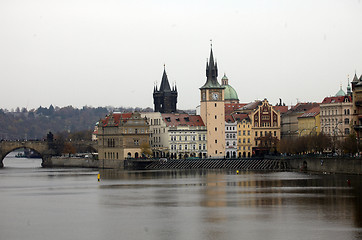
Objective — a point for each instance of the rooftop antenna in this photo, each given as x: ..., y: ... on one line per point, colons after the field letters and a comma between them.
x: 211, y: 43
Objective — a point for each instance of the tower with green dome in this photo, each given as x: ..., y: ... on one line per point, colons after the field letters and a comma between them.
x: 230, y: 94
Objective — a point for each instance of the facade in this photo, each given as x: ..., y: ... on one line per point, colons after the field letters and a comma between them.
x: 176, y: 135
x: 336, y: 117
x: 212, y: 111
x: 121, y: 136
x: 187, y: 135
x: 264, y: 124
x: 289, y: 119
x: 165, y: 98
x: 245, y: 140
x: 357, y: 106
x: 231, y: 137
x: 159, y: 135
x: 309, y: 123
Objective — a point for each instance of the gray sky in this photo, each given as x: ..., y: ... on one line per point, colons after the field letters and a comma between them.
x: 111, y: 52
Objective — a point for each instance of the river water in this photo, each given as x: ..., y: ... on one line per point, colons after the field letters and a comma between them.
x: 38, y: 203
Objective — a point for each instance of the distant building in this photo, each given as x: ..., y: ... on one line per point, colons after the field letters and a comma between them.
x: 335, y: 115
x: 165, y: 98
x: 187, y: 135
x: 231, y: 137
x: 121, y: 136
x: 245, y: 139
x: 263, y: 121
x: 175, y: 135
x: 309, y: 123
x: 289, y: 119
x: 357, y: 106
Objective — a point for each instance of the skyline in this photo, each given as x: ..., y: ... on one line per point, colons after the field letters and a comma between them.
x: 112, y: 53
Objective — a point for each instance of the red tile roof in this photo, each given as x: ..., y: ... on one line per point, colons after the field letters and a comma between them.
x: 281, y: 109
x: 339, y: 99
x: 231, y: 107
x: 117, y: 117
x: 311, y: 113
x: 182, y: 119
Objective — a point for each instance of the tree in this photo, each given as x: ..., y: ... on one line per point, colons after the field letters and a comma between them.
x: 68, y: 149
x: 146, y: 149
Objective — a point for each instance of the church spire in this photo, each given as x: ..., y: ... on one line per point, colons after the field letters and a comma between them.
x: 211, y: 73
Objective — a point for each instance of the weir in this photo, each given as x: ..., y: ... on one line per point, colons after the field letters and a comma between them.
x: 236, y: 164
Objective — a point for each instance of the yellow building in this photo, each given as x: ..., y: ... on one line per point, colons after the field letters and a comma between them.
x: 245, y: 140
x: 212, y: 111
x: 264, y: 125
x: 309, y: 123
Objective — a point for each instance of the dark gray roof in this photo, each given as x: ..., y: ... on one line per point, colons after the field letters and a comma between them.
x: 211, y: 74
x: 165, y: 85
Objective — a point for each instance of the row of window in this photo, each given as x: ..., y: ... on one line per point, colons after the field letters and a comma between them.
x: 244, y: 132
x: 335, y: 131
x: 110, y: 155
x: 188, y: 147
x: 244, y: 140
x: 188, y: 138
x: 231, y: 135
x: 333, y: 121
x: 334, y: 112
x: 266, y: 133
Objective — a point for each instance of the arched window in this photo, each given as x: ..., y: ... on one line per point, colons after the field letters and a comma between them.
x: 346, y: 121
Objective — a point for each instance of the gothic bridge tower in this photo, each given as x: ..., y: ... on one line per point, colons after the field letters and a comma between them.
x: 165, y: 98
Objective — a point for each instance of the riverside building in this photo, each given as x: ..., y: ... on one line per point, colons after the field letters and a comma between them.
x: 121, y: 136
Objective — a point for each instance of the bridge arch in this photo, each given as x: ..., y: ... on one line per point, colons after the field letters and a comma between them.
x: 40, y: 147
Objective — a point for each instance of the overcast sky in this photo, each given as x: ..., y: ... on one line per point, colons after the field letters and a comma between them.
x: 112, y: 52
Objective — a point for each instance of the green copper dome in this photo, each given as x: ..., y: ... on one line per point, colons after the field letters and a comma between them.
x: 229, y: 93
x: 340, y: 93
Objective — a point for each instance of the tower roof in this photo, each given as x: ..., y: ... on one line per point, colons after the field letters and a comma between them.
x: 355, y: 78
x: 211, y: 74
x: 165, y: 85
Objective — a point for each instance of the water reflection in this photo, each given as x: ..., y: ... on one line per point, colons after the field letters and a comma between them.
x: 328, y: 196
x: 177, y: 204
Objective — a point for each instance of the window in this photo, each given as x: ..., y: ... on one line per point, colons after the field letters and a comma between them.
x: 346, y: 131
x: 248, y: 132
x: 256, y: 133
x: 346, y: 121
x: 216, y: 129
x: 243, y: 132
x: 215, y: 140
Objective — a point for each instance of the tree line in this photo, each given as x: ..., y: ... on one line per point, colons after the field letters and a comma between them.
x: 24, y: 124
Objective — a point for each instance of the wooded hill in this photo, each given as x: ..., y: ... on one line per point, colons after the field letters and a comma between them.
x: 20, y: 124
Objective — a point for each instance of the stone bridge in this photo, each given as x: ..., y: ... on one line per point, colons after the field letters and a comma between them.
x: 40, y: 147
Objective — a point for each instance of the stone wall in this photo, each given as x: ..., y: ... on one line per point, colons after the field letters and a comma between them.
x: 327, y: 165
x: 71, y: 162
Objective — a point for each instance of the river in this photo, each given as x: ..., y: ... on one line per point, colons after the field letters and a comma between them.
x: 38, y: 203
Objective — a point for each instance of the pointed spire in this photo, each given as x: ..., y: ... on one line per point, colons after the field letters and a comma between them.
x: 165, y: 85
x: 355, y: 78
x: 211, y: 73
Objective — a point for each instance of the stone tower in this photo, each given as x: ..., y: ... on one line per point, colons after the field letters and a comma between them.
x: 212, y: 110
x: 165, y: 98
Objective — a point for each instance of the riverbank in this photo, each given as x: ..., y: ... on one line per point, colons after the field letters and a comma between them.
x: 337, y: 165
